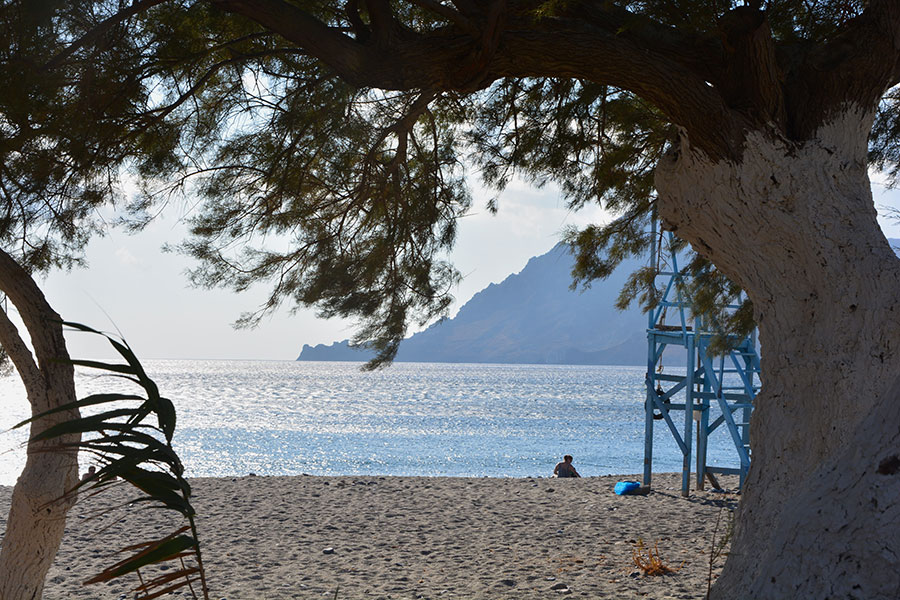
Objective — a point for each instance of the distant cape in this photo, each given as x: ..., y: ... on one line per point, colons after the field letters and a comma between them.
x: 532, y: 317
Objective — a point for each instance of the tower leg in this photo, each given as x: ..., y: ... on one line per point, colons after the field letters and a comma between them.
x: 648, y: 411
x: 688, y: 419
x: 702, y: 441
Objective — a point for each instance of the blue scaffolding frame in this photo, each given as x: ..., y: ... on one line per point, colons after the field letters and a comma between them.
x: 727, y: 383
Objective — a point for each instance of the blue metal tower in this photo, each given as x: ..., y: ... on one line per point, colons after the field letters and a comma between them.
x: 712, y: 391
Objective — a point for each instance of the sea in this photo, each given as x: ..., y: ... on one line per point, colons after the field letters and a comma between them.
x: 425, y: 419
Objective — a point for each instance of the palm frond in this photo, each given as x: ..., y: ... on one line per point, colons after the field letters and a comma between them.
x: 130, y: 439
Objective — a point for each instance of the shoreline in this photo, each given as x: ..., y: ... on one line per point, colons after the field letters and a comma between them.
x: 393, y: 537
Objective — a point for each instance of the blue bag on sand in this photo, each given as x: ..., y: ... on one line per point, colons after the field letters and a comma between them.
x: 624, y: 488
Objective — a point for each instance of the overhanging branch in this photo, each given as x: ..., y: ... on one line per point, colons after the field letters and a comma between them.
x: 347, y: 57
x: 512, y: 43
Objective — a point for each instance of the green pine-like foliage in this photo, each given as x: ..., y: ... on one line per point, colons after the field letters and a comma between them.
x: 340, y: 197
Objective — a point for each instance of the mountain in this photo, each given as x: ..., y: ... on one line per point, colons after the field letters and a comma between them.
x: 531, y: 317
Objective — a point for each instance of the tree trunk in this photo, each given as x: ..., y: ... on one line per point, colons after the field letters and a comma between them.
x: 795, y: 226
x: 37, y: 516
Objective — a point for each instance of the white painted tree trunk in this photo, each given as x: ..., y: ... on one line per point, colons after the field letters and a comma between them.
x: 795, y: 226
x: 36, y: 523
x: 37, y: 516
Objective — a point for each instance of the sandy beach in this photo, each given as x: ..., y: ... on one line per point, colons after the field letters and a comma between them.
x: 410, y: 537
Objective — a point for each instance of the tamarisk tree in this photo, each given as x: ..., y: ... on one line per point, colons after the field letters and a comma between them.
x: 345, y: 129
x: 40, y: 227
x: 61, y: 148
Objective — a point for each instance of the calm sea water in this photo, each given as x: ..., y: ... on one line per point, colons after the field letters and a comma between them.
x: 325, y: 418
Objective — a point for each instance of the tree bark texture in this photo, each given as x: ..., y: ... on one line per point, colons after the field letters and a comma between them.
x: 794, y: 224
x: 37, y: 516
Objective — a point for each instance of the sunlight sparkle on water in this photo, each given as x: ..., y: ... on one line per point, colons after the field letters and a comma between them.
x: 288, y: 418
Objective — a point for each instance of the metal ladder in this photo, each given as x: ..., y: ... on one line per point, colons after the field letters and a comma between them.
x: 727, y: 382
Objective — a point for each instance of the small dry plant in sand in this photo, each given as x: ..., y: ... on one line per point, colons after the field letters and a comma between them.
x: 719, y: 548
x: 648, y: 560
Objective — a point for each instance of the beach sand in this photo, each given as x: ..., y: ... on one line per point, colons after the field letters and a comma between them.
x: 410, y: 537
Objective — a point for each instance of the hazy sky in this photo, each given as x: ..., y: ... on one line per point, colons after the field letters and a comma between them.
x: 133, y: 286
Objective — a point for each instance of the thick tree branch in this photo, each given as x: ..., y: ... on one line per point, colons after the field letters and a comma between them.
x: 451, y: 15
x: 359, y: 28
x: 753, y: 79
x: 347, y: 57
x: 17, y: 350
x: 698, y: 52
x: 856, y: 67
x: 515, y: 46
x: 476, y: 71
x: 382, y: 22
x: 46, y: 335
x: 686, y: 98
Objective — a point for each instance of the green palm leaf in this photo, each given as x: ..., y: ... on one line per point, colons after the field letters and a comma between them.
x: 131, y: 441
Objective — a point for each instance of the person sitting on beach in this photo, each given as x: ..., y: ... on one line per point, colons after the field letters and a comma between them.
x: 565, y: 468
x: 90, y: 473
